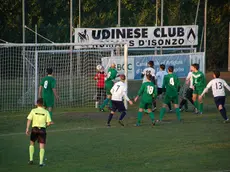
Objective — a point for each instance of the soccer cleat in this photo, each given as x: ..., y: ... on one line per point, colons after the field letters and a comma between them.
x: 137, y: 125
x: 226, y: 121
x: 181, y: 109
x: 41, y: 165
x: 196, y: 112
x: 30, y: 162
x: 101, y: 110
x: 121, y: 123
x: 153, y: 123
x: 154, y: 109
x: 200, y: 113
x: 108, y: 125
x: 170, y: 111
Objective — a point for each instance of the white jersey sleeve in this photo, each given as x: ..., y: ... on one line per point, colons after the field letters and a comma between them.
x: 118, y: 91
x: 189, y: 77
x: 218, y: 87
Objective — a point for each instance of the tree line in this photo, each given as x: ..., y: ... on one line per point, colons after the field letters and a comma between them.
x: 52, y: 19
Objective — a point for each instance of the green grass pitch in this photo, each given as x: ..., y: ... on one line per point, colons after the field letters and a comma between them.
x: 80, y: 141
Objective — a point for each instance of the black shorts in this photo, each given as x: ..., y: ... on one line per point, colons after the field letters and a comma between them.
x: 189, y: 93
x: 118, y: 105
x: 101, y: 93
x: 160, y: 91
x: 220, y: 100
x: 38, y: 134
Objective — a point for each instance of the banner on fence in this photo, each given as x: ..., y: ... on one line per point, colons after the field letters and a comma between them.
x: 136, y: 64
x: 165, y: 36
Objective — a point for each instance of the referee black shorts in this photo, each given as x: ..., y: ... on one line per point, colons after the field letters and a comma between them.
x: 118, y: 105
x: 38, y: 134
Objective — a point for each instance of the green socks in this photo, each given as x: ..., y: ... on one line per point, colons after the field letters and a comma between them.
x: 201, y: 107
x: 104, y: 103
x: 151, y: 115
x: 110, y: 103
x: 42, y: 153
x: 162, y: 113
x: 31, y: 151
x: 178, y: 113
x: 196, y: 104
x: 139, y: 117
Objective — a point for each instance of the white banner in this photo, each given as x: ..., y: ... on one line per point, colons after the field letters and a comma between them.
x: 166, y: 36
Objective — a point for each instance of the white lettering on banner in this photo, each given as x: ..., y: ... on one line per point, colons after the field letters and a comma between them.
x: 139, y: 36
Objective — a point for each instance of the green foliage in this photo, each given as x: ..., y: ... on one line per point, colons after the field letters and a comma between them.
x: 52, y: 18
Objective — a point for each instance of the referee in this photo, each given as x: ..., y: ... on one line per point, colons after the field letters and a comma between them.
x: 40, y: 119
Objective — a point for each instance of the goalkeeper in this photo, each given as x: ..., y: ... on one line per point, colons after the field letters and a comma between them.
x: 112, y: 74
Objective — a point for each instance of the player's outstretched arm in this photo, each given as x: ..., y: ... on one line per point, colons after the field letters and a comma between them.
x: 226, y: 86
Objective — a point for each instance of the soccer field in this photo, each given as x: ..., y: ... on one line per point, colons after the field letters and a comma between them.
x: 80, y: 141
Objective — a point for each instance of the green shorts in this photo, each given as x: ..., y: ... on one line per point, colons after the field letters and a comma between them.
x: 198, y: 91
x: 145, y: 105
x: 108, y: 87
x: 169, y: 99
x: 48, y: 102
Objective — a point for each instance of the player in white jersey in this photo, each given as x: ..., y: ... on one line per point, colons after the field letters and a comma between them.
x: 186, y: 92
x: 218, y: 92
x: 119, y: 90
x: 150, y: 70
x: 160, y: 78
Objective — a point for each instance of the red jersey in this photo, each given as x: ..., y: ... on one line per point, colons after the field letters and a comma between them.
x: 100, y: 77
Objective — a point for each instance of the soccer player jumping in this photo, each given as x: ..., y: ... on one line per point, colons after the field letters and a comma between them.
x: 147, y: 92
x: 218, y: 92
x: 119, y: 90
x: 172, y: 84
x: 112, y: 74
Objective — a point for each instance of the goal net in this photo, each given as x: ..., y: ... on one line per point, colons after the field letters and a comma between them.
x: 74, y: 67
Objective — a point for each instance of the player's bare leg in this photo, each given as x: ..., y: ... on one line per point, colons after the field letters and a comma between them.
x: 194, y: 98
x: 223, y: 112
x: 51, y: 113
x: 177, y: 111
x: 139, y: 116
x: 106, y: 101
x: 31, y: 152
x: 41, y: 154
x: 162, y: 111
x: 110, y: 118
x: 200, y: 106
x: 151, y: 115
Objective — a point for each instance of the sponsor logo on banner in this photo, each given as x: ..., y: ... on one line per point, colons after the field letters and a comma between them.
x: 136, y: 64
x: 139, y: 36
x: 119, y: 61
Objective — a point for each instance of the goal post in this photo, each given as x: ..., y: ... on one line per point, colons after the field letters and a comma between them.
x: 23, y: 66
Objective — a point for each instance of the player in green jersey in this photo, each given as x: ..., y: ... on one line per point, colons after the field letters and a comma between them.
x: 111, y: 75
x: 147, y: 92
x: 199, y: 84
x: 47, y: 91
x: 172, y: 85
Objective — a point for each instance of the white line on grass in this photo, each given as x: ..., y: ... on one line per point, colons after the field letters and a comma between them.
x: 54, y: 131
